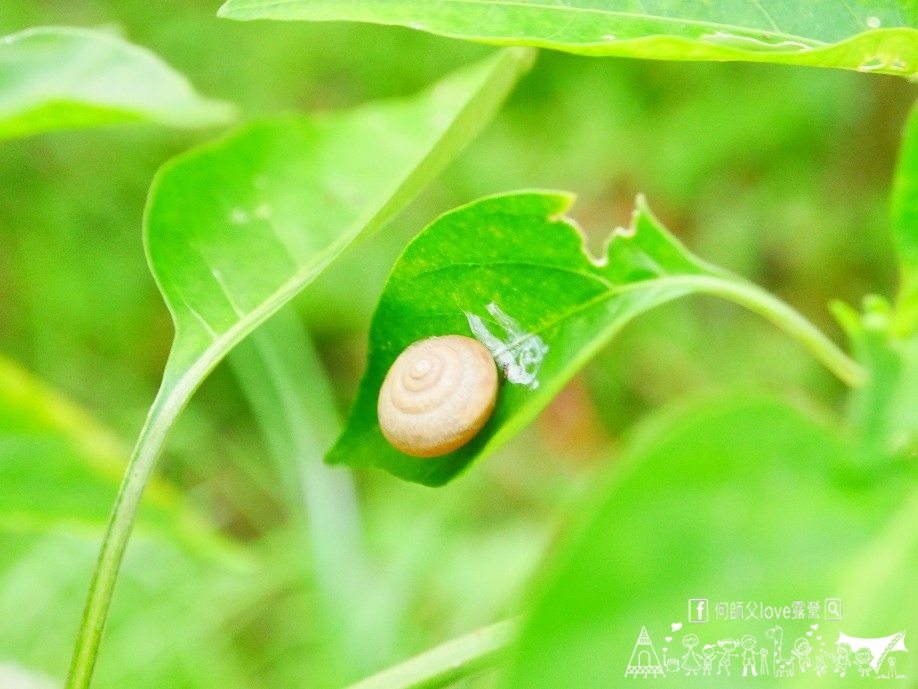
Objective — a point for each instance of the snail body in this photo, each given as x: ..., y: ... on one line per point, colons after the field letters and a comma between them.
x: 437, y: 395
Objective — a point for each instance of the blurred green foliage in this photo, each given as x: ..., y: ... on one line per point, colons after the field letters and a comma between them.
x: 780, y: 174
x: 753, y: 501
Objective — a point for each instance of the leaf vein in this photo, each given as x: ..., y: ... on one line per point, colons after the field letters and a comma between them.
x: 852, y: 13
x: 519, y: 264
x: 758, y: 5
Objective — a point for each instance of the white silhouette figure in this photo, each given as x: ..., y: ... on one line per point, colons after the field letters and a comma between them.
x: 801, y: 652
x: 749, y: 654
x: 728, y: 650
x: 691, y: 662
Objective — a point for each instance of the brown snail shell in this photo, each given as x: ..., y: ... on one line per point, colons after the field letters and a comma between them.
x: 437, y: 395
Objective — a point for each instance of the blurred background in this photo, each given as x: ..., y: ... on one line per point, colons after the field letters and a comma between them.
x: 779, y: 174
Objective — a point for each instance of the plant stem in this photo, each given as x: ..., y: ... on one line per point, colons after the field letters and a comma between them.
x: 448, y: 662
x: 162, y: 414
x: 773, y: 309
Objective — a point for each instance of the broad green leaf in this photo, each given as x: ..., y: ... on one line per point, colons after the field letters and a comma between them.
x: 748, y: 503
x: 63, y: 77
x: 512, y: 271
x: 876, y: 36
x: 235, y: 229
x: 905, y: 228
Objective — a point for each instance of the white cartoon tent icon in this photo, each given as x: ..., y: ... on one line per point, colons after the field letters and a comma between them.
x: 879, y: 647
x: 644, y: 660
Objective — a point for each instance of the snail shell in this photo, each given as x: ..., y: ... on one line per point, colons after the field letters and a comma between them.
x: 437, y: 395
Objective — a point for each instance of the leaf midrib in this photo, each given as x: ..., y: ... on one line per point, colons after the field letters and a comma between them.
x: 612, y: 290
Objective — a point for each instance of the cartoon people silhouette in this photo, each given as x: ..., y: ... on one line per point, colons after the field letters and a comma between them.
x: 691, y: 662
x: 802, y: 651
x: 707, y: 654
x: 842, y: 659
x: 749, y: 654
x: 862, y: 659
x: 820, y: 665
x: 728, y: 650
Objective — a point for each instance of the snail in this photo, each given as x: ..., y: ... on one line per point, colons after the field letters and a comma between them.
x: 437, y: 395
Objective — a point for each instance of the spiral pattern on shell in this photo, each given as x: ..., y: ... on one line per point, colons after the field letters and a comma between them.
x: 437, y: 395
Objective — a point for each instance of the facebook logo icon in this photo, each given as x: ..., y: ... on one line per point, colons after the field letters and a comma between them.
x: 698, y: 610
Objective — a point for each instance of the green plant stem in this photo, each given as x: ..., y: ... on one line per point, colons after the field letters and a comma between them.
x: 773, y: 309
x: 162, y: 414
x: 448, y: 662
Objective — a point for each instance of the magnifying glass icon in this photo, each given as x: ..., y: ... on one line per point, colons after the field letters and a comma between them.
x: 833, y: 609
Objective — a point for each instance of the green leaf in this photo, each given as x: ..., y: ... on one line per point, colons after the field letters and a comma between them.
x: 905, y: 228
x: 513, y: 271
x: 876, y: 36
x: 235, y: 229
x: 58, y: 78
x: 745, y: 501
